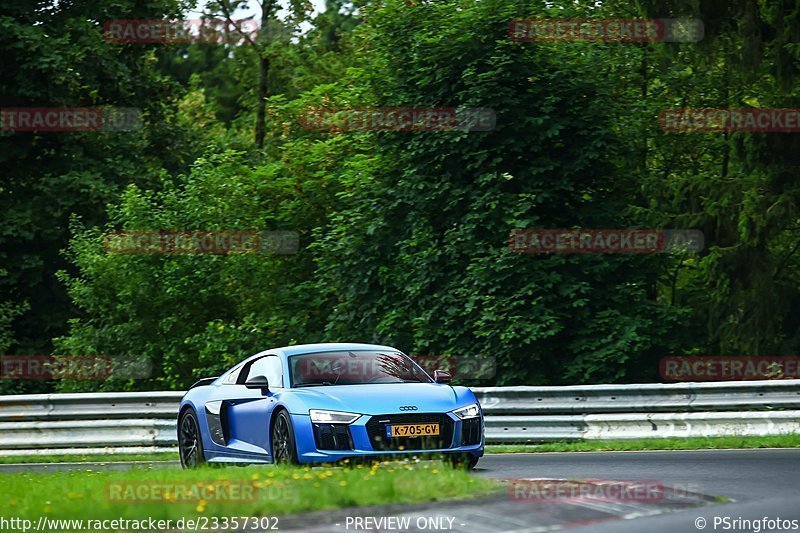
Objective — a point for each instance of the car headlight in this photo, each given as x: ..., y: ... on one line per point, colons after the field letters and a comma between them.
x: 332, y: 417
x: 470, y: 411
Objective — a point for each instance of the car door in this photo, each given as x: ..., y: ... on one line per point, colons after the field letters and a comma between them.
x: 245, y: 413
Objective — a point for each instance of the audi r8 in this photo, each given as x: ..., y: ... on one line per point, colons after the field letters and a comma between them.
x: 326, y: 403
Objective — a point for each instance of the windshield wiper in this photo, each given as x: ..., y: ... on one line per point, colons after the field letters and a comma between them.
x: 313, y: 384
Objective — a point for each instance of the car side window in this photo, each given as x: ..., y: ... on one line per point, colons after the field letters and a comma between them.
x: 233, y: 376
x: 269, y: 366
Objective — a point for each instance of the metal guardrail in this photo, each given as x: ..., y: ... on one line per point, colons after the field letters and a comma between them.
x: 90, y: 406
x: 141, y: 422
x: 541, y: 414
x: 640, y: 398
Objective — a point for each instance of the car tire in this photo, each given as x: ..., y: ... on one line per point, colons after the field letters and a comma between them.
x: 284, y: 450
x: 466, y: 462
x: 190, y: 442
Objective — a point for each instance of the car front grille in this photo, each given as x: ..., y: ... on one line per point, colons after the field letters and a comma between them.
x: 376, y: 429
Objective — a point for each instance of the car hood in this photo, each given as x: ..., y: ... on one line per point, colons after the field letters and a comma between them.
x: 384, y: 398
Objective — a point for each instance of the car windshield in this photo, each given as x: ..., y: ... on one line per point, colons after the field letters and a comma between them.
x: 354, y: 368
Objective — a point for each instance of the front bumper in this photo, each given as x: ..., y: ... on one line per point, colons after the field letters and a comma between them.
x: 362, y: 442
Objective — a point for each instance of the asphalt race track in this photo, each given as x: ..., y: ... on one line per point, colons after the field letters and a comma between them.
x: 757, y: 483
x: 737, y: 484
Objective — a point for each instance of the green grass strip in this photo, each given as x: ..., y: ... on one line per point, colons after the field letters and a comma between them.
x: 172, y: 493
x: 691, y: 443
x: 88, y: 458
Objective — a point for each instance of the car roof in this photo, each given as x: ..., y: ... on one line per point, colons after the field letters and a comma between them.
x: 330, y: 347
x: 297, y: 349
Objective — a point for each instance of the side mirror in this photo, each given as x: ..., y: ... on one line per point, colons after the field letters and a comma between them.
x: 258, y: 382
x: 440, y: 376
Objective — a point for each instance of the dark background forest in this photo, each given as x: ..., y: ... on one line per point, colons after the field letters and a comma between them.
x: 403, y: 234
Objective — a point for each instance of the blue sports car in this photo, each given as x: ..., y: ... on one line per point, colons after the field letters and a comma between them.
x: 322, y: 403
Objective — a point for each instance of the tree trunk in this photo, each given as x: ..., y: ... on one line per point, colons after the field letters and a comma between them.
x: 263, y: 71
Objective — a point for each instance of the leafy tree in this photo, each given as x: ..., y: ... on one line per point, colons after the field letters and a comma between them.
x: 55, y: 55
x: 404, y: 234
x: 418, y: 256
x: 740, y: 188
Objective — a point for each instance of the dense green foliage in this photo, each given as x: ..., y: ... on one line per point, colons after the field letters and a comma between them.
x: 403, y: 235
x: 57, y: 57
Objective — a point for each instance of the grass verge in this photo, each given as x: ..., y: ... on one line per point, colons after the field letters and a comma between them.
x: 88, y: 458
x: 692, y: 443
x: 172, y: 493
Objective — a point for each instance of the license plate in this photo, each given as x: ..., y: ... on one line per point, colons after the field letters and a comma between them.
x: 412, y: 430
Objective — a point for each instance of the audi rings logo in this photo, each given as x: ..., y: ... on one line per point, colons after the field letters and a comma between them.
x: 408, y: 407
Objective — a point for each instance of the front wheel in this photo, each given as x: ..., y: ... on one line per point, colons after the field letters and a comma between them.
x: 466, y: 462
x: 284, y: 450
x: 190, y: 444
